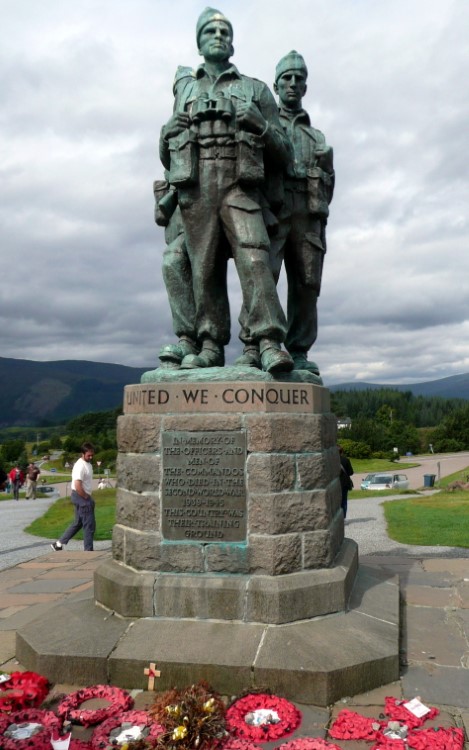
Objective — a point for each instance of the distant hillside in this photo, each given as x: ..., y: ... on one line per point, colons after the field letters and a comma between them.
x: 35, y: 393
x: 32, y: 393
x: 456, y: 386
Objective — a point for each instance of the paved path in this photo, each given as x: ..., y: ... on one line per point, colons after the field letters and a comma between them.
x: 16, y: 545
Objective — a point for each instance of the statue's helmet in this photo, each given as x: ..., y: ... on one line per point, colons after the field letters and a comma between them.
x: 292, y: 61
x: 208, y: 15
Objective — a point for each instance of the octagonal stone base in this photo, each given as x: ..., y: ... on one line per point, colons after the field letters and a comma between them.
x: 317, y: 661
x: 276, y: 600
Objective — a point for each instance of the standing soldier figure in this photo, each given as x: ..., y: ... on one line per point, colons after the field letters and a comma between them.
x: 223, y: 128
x: 300, y: 237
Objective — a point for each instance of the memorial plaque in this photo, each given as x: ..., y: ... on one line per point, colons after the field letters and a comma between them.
x: 204, y: 486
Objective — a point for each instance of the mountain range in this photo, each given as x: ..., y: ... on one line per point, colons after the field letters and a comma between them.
x: 35, y: 393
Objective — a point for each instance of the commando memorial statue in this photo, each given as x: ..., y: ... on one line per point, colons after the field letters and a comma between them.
x: 247, y: 181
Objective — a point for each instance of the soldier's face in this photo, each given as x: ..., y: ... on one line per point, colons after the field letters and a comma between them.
x: 215, y: 42
x: 291, y: 88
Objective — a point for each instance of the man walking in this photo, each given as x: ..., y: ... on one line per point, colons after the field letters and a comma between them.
x: 82, y: 478
x: 31, y: 481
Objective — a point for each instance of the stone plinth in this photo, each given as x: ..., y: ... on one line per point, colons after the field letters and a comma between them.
x: 229, y: 561
x: 228, y: 504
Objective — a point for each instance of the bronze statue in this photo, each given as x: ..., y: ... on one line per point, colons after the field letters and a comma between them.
x: 221, y: 143
x: 300, y: 237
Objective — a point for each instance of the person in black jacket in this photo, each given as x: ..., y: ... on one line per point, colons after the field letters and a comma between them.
x: 346, y: 471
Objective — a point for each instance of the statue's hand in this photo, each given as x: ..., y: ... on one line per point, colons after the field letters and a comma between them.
x: 249, y: 118
x: 176, y: 124
x: 325, y: 159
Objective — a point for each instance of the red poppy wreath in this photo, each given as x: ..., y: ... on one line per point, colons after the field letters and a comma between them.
x: 262, y: 718
x: 70, y: 707
x: 234, y: 743
x: 308, y: 743
x: 30, y: 729
x: 101, y: 736
x: 23, y: 690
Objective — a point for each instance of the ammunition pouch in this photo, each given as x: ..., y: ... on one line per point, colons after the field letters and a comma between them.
x: 250, y: 161
x: 183, y: 156
x: 320, y: 186
x: 165, y: 202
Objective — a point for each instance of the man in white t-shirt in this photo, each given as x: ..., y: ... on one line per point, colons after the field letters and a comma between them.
x: 82, y: 476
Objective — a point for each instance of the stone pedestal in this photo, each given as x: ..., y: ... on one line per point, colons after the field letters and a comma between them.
x: 245, y: 476
x: 229, y: 558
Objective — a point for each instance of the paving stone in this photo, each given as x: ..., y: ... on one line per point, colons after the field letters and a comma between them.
x: 434, y: 633
x: 428, y: 596
x: 437, y: 686
x: 7, y: 645
x: 375, y: 697
x: 48, y: 586
x: 9, y: 611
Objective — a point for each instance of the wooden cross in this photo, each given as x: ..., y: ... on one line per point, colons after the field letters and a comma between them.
x: 152, y: 672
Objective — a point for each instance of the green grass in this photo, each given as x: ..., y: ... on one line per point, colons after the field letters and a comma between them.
x: 60, y: 515
x: 442, y: 519
x: 461, y: 476
x: 360, y: 494
x: 375, y: 465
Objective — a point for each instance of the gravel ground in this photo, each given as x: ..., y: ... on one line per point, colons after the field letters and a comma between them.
x: 365, y: 524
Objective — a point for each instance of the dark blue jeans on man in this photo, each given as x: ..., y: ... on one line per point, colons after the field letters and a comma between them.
x: 84, y: 519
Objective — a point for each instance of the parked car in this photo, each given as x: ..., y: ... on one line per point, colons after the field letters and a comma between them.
x: 388, y: 482
x: 366, y: 481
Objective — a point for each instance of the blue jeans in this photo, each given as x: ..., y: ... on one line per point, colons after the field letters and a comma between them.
x: 84, y: 519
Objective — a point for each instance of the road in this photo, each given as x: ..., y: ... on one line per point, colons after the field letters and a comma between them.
x: 441, y: 465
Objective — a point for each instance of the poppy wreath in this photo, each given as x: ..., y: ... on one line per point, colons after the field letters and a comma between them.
x: 387, y: 743
x: 437, y: 739
x: 119, y: 701
x: 308, y: 743
x: 352, y: 726
x: 290, y: 717
x: 100, y: 737
x: 398, y: 712
x: 23, y: 690
x: 40, y: 741
x: 233, y: 743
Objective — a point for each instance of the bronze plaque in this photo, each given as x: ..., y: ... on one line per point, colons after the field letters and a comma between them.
x: 204, y: 486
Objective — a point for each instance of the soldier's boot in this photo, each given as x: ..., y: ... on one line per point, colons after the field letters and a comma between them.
x: 250, y: 357
x: 273, y: 358
x: 301, y: 362
x: 175, y: 353
x: 211, y: 355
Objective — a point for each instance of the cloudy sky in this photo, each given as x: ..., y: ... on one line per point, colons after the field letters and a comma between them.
x: 85, y: 87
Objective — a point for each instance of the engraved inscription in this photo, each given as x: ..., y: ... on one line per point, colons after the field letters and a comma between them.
x: 204, y: 486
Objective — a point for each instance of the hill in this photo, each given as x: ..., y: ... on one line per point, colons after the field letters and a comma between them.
x: 456, y: 386
x: 35, y: 393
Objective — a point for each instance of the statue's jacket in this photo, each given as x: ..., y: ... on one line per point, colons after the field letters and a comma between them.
x: 306, y: 171
x: 214, y: 133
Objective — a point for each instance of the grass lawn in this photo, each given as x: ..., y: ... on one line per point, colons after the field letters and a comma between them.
x: 442, y: 519
x: 60, y: 515
x: 375, y: 465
